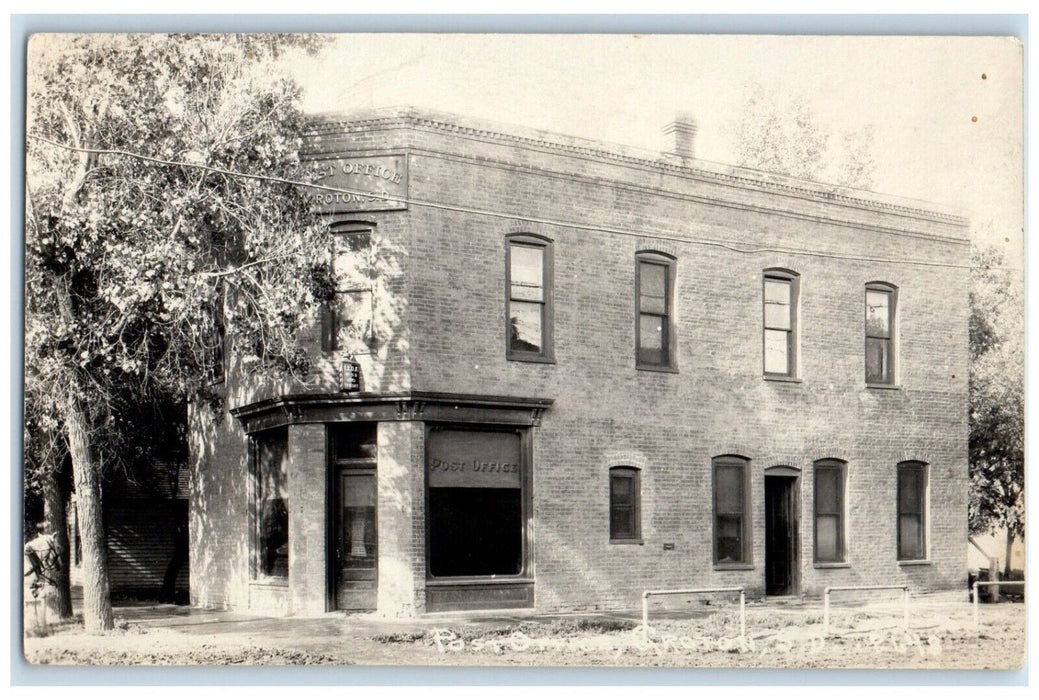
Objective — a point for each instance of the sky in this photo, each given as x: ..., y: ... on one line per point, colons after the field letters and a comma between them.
x: 920, y: 94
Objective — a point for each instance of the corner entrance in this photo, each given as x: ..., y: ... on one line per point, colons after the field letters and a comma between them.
x: 781, y: 558
x: 354, y: 534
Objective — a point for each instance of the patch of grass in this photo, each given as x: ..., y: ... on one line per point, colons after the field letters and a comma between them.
x: 399, y: 637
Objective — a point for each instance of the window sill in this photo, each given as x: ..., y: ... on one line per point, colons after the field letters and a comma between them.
x: 916, y: 562
x: 537, y: 359
x: 832, y: 565
x: 733, y: 567
x: 781, y: 379
x: 656, y: 368
x: 270, y: 583
x: 489, y: 580
x: 885, y: 387
x: 638, y: 541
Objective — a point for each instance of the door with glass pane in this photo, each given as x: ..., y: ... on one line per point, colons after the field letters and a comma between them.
x: 356, y: 538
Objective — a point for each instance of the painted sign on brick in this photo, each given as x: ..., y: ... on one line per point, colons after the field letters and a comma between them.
x: 359, y: 183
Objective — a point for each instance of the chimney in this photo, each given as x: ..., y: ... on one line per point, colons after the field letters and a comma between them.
x: 680, y: 135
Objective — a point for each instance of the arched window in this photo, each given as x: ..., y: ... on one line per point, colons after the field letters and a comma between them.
x: 829, y: 511
x: 912, y: 511
x: 781, y: 289
x: 528, y: 302
x: 654, y: 323
x: 731, y: 476
x: 881, y: 301
x: 625, y: 515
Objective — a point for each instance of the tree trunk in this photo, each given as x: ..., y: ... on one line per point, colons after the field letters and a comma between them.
x: 1010, y: 546
x: 97, y: 605
x: 55, y: 514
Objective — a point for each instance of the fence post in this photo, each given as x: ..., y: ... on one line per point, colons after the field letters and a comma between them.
x: 977, y: 616
x: 826, y: 612
x: 743, y: 615
x: 993, y: 575
x: 905, y: 599
x: 645, y: 617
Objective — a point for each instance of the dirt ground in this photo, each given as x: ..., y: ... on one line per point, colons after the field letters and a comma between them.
x: 864, y: 634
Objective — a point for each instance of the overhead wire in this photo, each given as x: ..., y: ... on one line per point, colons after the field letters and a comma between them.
x: 511, y: 216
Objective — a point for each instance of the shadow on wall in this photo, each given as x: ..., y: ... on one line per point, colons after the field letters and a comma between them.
x: 219, y: 513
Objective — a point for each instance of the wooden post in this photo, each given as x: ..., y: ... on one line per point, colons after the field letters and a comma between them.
x: 993, y: 575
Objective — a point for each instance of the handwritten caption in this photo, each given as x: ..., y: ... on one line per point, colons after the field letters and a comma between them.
x: 782, y: 643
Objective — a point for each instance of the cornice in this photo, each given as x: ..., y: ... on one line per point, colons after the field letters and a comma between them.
x: 403, y: 406
x: 743, y: 178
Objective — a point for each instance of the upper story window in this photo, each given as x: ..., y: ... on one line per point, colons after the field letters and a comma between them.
x: 779, y: 317
x: 654, y: 288
x: 528, y: 306
x: 829, y: 511
x: 881, y: 299
x: 731, y: 509
x: 346, y: 318
x: 912, y: 511
x: 625, y: 516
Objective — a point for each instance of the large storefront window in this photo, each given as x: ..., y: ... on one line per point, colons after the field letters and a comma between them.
x: 271, y: 495
x: 476, y: 518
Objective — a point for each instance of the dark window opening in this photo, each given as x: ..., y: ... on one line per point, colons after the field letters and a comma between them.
x: 829, y: 512
x: 475, y: 532
x: 912, y: 504
x: 730, y: 509
x: 271, y: 504
x: 624, y: 504
x: 476, y: 510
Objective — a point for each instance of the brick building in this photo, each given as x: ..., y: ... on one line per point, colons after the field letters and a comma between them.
x: 558, y: 372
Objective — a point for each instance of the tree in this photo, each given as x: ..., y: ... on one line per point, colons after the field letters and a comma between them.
x: 784, y: 137
x: 160, y: 227
x: 996, y: 399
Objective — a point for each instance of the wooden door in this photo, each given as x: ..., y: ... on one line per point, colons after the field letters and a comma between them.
x: 356, y: 540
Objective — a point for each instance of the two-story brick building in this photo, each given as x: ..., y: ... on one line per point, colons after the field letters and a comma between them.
x: 558, y: 372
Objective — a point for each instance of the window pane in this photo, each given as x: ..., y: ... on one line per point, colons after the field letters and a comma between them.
x: 358, y: 520
x: 776, y: 352
x: 910, y: 537
x: 354, y: 319
x: 729, y: 533
x: 878, y: 362
x: 652, y: 280
x: 652, y: 305
x: 352, y: 257
x: 622, y: 489
x: 623, y: 502
x: 827, y: 490
x: 728, y: 485
x: 777, y: 304
x: 827, y: 540
x: 878, y: 314
x: 651, y: 340
x: 622, y: 524
x: 526, y: 273
x: 525, y: 326
x: 909, y: 490
x: 652, y: 288
x: 272, y: 513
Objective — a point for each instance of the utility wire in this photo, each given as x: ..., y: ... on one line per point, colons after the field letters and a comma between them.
x: 504, y: 215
